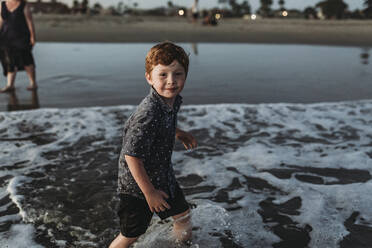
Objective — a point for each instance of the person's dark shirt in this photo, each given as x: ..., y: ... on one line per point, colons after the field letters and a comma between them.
x: 149, y: 134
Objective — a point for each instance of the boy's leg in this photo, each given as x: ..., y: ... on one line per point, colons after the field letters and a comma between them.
x: 30, y: 69
x: 135, y: 217
x: 122, y: 242
x: 182, y: 226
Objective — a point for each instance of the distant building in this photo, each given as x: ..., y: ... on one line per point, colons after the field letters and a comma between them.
x: 320, y: 14
x: 335, y: 9
x: 310, y: 13
x: 48, y: 7
x: 288, y: 13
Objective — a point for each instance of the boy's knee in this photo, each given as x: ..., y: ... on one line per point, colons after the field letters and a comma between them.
x: 122, y: 242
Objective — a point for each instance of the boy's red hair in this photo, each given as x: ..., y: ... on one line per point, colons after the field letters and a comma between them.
x: 165, y: 53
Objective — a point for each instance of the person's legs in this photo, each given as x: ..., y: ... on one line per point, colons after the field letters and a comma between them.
x: 10, y: 84
x: 182, y: 226
x: 122, y: 242
x: 30, y: 69
x: 34, y: 99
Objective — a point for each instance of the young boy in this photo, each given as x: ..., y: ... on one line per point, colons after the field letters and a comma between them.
x: 147, y: 183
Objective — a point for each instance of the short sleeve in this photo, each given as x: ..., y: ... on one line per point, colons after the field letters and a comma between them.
x: 140, y: 135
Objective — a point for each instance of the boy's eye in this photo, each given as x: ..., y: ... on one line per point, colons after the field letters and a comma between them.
x: 163, y: 74
x: 179, y: 73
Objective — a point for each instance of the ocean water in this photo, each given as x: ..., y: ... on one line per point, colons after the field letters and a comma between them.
x: 264, y: 175
x: 88, y: 75
x: 284, y: 157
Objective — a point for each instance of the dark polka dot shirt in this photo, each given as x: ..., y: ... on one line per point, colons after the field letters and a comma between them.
x: 149, y: 134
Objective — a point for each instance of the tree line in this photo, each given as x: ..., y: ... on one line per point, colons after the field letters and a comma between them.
x: 330, y: 9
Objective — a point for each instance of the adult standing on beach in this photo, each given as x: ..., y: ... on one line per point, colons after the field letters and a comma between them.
x: 17, y: 37
x: 195, y: 11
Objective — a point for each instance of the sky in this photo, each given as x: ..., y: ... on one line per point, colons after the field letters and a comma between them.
x: 298, y: 4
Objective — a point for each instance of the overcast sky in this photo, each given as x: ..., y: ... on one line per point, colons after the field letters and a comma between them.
x: 298, y: 4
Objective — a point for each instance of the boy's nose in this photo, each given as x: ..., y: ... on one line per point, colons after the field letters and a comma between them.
x: 171, y: 80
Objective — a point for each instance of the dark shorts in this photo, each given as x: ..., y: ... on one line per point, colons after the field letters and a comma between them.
x: 135, y: 215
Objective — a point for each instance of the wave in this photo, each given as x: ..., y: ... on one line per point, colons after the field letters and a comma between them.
x: 262, y: 175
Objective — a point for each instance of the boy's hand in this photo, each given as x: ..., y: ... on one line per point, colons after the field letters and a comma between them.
x: 188, y: 141
x: 156, y: 200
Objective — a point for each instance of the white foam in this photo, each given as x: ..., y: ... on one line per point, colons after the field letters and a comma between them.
x: 258, y: 154
x: 12, y: 189
x: 209, y: 219
x: 19, y: 236
x: 250, y: 138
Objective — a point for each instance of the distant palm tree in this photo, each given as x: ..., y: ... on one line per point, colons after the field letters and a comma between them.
x: 223, y: 2
x: 245, y: 7
x: 84, y: 6
x: 333, y: 8
x: 240, y: 9
x: 368, y: 3
x: 120, y: 8
x: 75, y: 6
x: 135, y: 5
x: 265, y: 8
x: 368, y: 10
x: 310, y: 13
x: 234, y: 6
x: 97, y: 8
x: 281, y: 4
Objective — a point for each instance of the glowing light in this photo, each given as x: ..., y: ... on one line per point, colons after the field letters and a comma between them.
x: 181, y: 12
x: 218, y: 16
x: 253, y: 17
x: 285, y: 13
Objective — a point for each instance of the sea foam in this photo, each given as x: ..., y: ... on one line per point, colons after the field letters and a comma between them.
x: 260, y: 174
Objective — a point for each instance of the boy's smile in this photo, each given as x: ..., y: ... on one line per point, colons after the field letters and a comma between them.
x: 167, y: 80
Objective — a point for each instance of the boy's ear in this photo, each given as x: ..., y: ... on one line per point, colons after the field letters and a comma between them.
x: 148, y: 78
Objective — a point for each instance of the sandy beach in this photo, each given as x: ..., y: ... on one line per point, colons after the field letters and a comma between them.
x: 54, y: 28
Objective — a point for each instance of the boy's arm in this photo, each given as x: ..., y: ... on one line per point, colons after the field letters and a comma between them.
x: 155, y: 198
x: 188, y: 141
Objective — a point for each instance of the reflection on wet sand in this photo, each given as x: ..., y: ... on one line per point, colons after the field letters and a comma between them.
x: 194, y: 47
x: 123, y: 84
x: 364, y: 56
x: 15, y: 105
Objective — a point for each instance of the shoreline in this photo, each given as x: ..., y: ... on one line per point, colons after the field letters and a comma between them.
x: 108, y: 29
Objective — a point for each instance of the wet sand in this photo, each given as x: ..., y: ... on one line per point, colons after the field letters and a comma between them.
x: 64, y: 28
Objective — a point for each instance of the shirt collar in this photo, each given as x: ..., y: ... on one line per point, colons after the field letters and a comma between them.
x: 177, y: 102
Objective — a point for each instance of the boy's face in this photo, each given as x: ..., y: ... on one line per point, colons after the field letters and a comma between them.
x: 168, y: 80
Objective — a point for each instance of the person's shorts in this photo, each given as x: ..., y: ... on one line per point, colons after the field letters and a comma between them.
x: 135, y: 215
